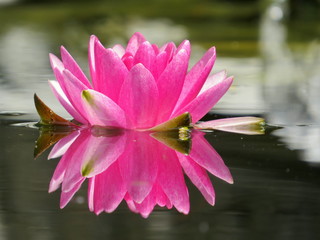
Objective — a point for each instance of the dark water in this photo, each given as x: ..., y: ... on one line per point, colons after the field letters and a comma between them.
x: 273, y: 53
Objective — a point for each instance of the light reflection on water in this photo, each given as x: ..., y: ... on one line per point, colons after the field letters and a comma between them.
x: 275, y: 193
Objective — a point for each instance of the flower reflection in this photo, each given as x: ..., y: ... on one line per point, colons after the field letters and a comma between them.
x: 145, y: 169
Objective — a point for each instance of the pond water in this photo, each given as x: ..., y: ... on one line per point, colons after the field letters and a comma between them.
x: 271, y: 50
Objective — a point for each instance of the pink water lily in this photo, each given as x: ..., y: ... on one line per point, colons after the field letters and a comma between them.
x: 135, y: 167
x: 139, y: 86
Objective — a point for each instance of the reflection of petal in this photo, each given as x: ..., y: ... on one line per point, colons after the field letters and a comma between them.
x: 106, y: 190
x: 62, y: 146
x: 198, y: 177
x: 171, y: 179
x: 203, y: 154
x: 67, y: 196
x: 138, y: 165
x: 100, y: 152
x: 135, y: 166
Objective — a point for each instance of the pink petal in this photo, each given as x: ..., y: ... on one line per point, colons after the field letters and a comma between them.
x: 60, y: 95
x: 170, y: 48
x: 196, y: 78
x: 198, y: 176
x: 139, y: 97
x: 155, y: 49
x: 106, y: 190
x: 63, y: 145
x: 91, y: 56
x: 145, y: 55
x: 134, y: 43
x: 118, y: 49
x: 110, y: 71
x: 204, y: 154
x: 70, y: 64
x: 213, y: 80
x: 101, y: 110
x: 203, y: 103
x: 170, y: 84
x: 186, y: 46
x: 242, y: 125
x: 128, y: 61
x: 57, y: 67
x: 160, y: 64
x: 74, y: 88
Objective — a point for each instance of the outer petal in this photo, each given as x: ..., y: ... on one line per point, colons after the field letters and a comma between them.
x: 91, y: 56
x: 110, y: 71
x: 203, y: 154
x: 58, y: 68
x: 213, y: 80
x: 242, y: 125
x: 60, y: 95
x: 70, y: 64
x: 101, y: 110
x: 170, y: 84
x: 198, y: 176
x: 202, y: 104
x: 196, y: 78
x: 134, y: 43
x: 139, y: 97
x: 74, y: 87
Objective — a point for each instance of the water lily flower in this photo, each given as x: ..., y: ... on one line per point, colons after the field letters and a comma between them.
x: 135, y: 167
x: 138, y: 86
